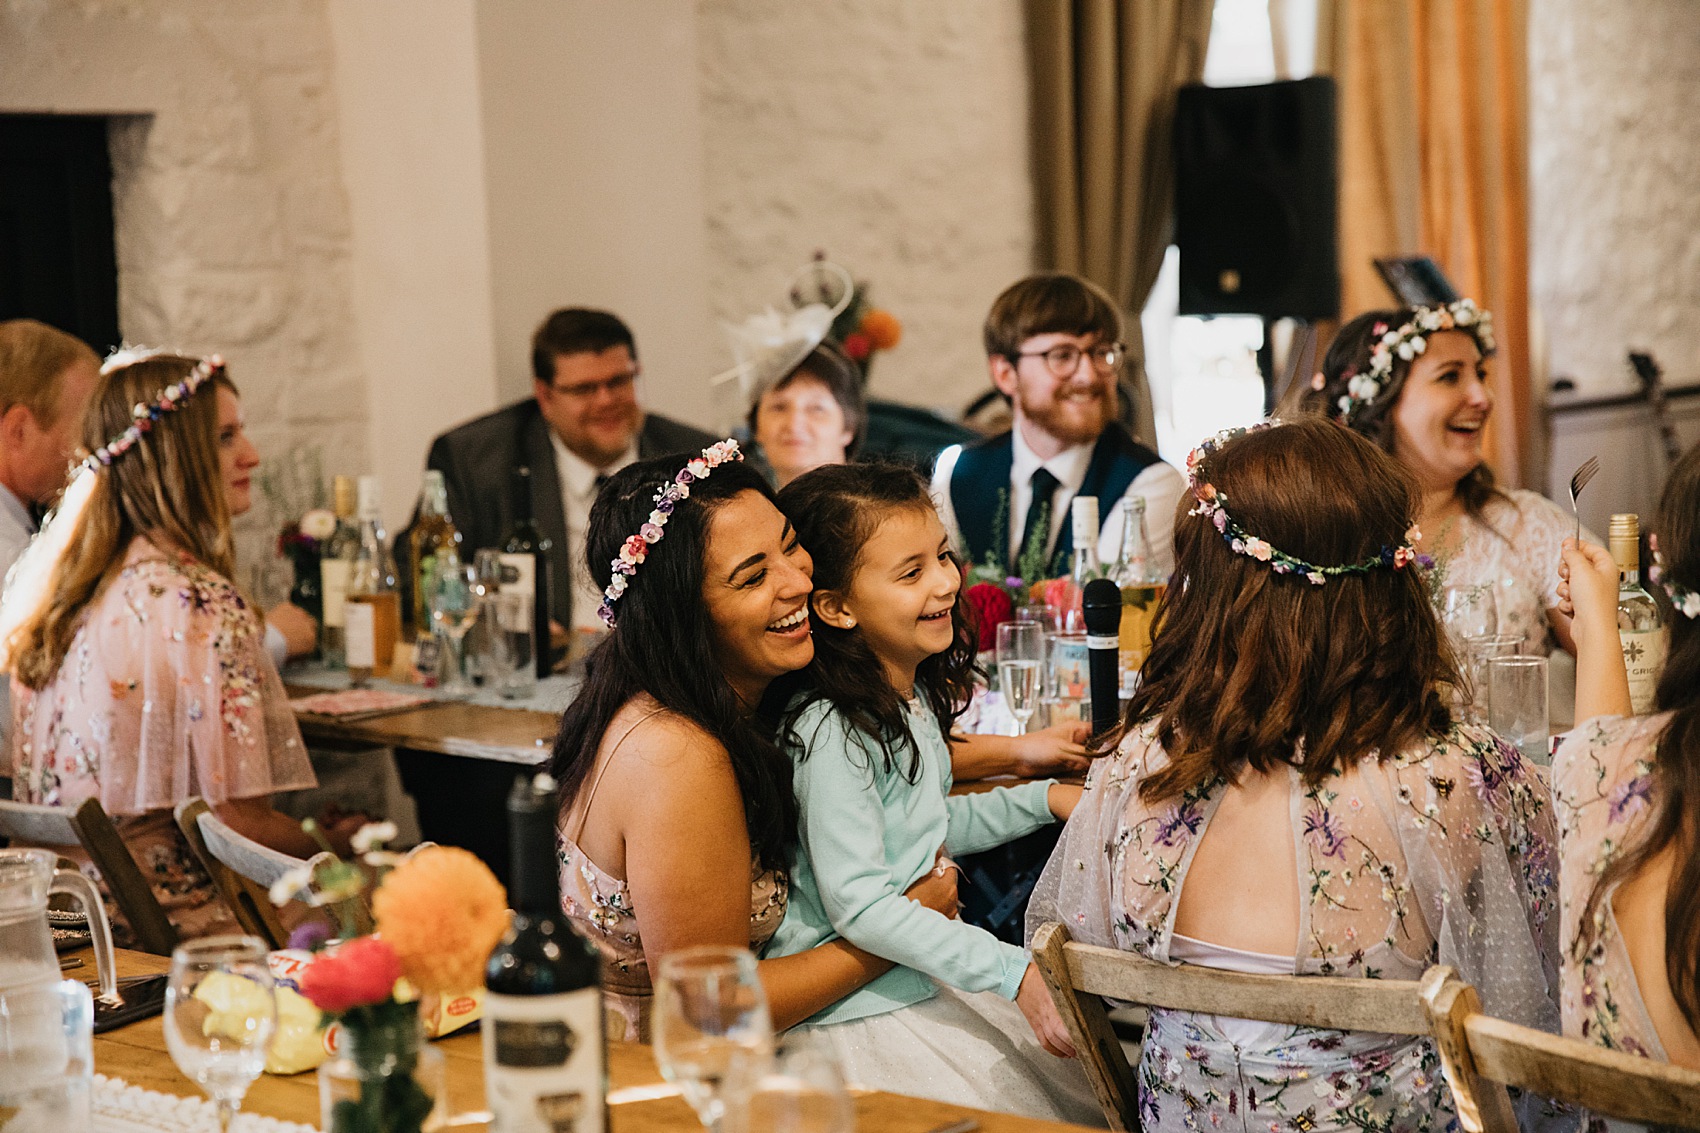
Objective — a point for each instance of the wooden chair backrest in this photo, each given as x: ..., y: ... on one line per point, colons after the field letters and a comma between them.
x: 88, y: 826
x: 247, y: 897
x: 1483, y: 1055
x: 1080, y: 975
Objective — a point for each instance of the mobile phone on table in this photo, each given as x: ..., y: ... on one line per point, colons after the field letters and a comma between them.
x: 144, y: 997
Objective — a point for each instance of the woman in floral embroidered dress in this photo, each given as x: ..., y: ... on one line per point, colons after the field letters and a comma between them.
x: 678, y: 817
x: 1422, y: 395
x: 1291, y: 795
x: 138, y: 669
x: 1627, y: 791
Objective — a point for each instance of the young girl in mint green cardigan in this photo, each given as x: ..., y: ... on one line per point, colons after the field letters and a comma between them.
x: 869, y: 737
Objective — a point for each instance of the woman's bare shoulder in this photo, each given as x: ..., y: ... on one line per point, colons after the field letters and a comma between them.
x: 646, y: 739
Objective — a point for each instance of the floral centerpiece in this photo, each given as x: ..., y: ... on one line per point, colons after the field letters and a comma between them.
x: 438, y: 913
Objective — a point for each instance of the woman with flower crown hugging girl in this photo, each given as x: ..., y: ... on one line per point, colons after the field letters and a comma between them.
x: 867, y: 726
x: 139, y: 674
x: 1414, y: 381
x: 1627, y: 790
x: 1290, y: 794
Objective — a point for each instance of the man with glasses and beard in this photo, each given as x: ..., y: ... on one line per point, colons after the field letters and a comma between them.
x: 1053, y: 346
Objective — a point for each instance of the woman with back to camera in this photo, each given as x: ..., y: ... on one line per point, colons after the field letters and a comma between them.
x: 678, y: 820
x: 1290, y: 795
x: 1627, y: 789
x: 139, y: 673
x: 1414, y: 381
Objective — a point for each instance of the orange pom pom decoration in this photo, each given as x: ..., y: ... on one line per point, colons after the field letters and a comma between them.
x: 882, y: 328
x: 443, y: 912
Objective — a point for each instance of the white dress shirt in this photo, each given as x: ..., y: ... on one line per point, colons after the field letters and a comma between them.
x: 1160, y: 484
x: 17, y: 528
x: 578, y: 492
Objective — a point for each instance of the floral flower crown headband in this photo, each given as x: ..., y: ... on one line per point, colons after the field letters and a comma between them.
x: 143, y: 416
x: 1686, y: 601
x: 667, y: 497
x: 1212, y: 505
x: 1409, y: 341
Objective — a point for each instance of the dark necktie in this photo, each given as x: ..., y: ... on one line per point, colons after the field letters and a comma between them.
x: 1038, y: 509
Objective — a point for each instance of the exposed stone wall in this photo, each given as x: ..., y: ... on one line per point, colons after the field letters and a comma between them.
x: 890, y: 133
x: 1615, y: 185
x: 231, y: 216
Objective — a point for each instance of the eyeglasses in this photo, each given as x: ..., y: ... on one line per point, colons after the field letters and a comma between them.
x: 619, y: 383
x: 1062, y: 360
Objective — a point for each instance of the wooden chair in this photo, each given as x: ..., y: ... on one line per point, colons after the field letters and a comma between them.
x: 88, y: 826
x: 1482, y: 1055
x: 1079, y: 976
x: 241, y: 868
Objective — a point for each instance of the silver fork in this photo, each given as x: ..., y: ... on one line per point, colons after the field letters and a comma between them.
x: 1578, y: 481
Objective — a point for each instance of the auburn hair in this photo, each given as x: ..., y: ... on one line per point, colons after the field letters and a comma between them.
x: 1250, y: 668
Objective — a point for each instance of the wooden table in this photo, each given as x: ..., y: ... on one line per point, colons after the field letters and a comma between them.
x: 640, y: 1102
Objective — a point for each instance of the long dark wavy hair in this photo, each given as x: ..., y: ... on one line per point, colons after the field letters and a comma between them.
x: 1676, y: 763
x: 662, y: 645
x: 836, y: 509
x: 1249, y: 668
x: 1348, y: 355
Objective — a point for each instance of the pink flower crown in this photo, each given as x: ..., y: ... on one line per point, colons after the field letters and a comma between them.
x: 143, y: 416
x: 1212, y: 505
x: 1682, y: 599
x: 1407, y: 343
x: 667, y: 497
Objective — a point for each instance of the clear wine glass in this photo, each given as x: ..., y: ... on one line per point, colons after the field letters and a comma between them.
x: 804, y: 1092
x: 713, y: 1037
x: 1021, y: 656
x: 452, y: 593
x: 1469, y: 611
x: 220, y: 1013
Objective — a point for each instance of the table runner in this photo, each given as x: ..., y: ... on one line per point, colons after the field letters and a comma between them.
x: 119, y: 1107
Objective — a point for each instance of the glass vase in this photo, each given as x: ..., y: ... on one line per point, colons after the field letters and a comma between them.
x: 384, y: 1078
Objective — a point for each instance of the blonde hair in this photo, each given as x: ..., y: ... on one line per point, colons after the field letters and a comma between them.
x: 33, y: 359
x: 168, y: 488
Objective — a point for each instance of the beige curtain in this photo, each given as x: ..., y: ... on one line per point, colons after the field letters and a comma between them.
x: 1434, y: 142
x: 1103, y: 81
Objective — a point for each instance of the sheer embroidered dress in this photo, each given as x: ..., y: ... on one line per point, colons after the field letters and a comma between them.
x: 1442, y: 853
x: 166, y: 692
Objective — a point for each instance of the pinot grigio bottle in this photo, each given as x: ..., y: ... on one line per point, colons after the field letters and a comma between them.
x: 545, y: 1059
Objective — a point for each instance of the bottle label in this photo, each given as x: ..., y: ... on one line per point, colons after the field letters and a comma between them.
x: 361, y: 647
x: 1644, y: 658
x: 544, y: 1062
x: 333, y: 586
x: 519, y: 572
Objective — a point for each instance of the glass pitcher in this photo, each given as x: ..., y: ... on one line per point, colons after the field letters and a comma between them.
x: 27, y: 879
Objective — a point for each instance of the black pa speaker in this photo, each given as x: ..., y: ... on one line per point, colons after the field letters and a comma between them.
x: 1256, y: 200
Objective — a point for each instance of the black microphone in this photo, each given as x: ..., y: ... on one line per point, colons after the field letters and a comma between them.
x: 1102, y: 603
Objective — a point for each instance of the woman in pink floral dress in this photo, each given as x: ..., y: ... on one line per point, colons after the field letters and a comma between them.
x: 139, y: 672
x: 1290, y: 795
x: 1627, y: 790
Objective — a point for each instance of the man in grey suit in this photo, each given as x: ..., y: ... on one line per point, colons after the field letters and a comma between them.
x: 583, y: 424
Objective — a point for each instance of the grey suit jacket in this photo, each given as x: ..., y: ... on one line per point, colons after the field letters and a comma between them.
x: 477, y: 460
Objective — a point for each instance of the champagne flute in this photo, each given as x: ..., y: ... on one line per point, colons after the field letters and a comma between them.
x: 713, y: 1037
x: 220, y: 1012
x: 1021, y: 652
x: 452, y: 594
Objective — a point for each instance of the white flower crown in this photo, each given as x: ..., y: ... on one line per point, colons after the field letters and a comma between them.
x: 1407, y: 342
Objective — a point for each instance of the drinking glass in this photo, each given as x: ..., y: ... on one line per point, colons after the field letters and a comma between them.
x: 220, y: 1012
x: 1469, y: 611
x: 481, y: 644
x: 713, y: 1037
x: 46, y: 1056
x: 804, y: 1092
x: 1021, y: 656
x: 1478, y: 652
x: 1517, y: 695
x: 452, y: 595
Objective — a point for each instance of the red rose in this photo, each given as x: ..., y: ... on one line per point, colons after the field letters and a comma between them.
x: 858, y: 346
x: 991, y: 608
x: 360, y: 973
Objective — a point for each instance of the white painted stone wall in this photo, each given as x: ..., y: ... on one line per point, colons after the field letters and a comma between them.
x: 892, y: 134
x: 1615, y: 185
x: 233, y: 231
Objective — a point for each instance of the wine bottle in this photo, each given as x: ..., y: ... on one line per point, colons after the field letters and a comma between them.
x: 336, y: 566
x: 1638, y: 623
x: 525, y: 567
x: 1135, y: 572
x: 433, y: 533
x: 1083, y: 513
x: 372, y: 613
x: 545, y: 1054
